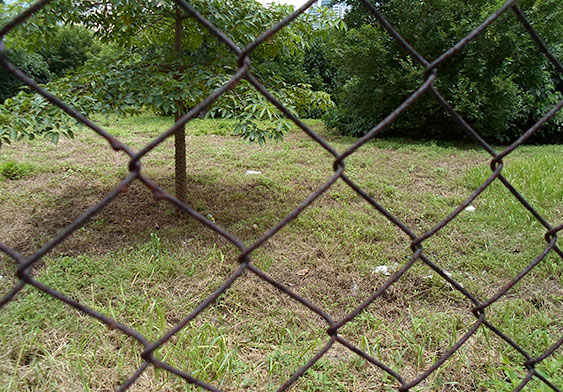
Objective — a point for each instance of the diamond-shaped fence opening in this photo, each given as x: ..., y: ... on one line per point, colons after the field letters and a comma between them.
x: 334, y: 342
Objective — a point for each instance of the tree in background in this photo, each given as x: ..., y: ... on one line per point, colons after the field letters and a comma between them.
x: 166, y: 62
x: 33, y: 64
x: 67, y: 48
x: 501, y: 83
x: 45, y: 58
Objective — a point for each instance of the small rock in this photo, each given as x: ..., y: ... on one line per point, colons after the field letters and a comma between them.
x: 253, y: 172
x: 470, y: 208
x: 382, y: 269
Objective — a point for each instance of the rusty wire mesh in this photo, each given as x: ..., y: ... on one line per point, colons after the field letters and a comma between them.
x: 24, y: 271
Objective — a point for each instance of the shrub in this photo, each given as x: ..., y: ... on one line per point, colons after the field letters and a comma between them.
x: 500, y: 83
x: 32, y: 64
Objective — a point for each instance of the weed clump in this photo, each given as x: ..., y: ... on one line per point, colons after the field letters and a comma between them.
x: 13, y: 170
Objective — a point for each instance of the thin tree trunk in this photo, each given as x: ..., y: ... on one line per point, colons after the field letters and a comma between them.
x: 180, y: 135
x: 180, y: 162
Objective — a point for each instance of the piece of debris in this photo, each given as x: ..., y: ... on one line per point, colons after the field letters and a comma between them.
x: 471, y: 277
x: 302, y: 272
x: 355, y: 289
x: 382, y: 269
x: 255, y: 226
x: 253, y: 172
x: 470, y: 208
x: 211, y: 217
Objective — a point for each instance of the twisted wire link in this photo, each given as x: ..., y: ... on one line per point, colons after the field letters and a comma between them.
x: 24, y: 265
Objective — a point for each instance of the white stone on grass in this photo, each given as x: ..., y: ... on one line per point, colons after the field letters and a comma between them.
x: 382, y: 269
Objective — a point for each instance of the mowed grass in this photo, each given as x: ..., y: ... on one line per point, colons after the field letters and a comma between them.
x: 142, y: 263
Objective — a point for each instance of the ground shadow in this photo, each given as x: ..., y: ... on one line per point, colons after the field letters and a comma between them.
x: 128, y: 220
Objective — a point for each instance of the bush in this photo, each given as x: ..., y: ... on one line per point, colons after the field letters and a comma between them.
x: 68, y: 48
x: 53, y: 55
x: 31, y: 64
x: 500, y: 83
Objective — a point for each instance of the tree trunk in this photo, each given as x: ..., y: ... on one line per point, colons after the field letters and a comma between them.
x: 180, y: 135
x: 180, y: 162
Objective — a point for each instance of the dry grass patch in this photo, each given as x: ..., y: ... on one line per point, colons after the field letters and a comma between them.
x: 147, y: 266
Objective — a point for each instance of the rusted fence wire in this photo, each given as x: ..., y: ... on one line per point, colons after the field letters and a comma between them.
x: 24, y: 270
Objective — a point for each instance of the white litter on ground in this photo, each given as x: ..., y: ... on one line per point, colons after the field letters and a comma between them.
x: 253, y: 172
x: 470, y: 208
x: 382, y: 269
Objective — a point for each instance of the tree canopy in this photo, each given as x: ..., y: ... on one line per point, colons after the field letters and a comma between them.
x: 160, y: 58
x: 501, y: 82
x: 145, y: 72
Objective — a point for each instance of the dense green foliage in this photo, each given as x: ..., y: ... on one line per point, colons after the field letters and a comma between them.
x: 501, y: 83
x: 32, y: 64
x: 145, y: 71
x: 68, y: 48
x: 48, y: 57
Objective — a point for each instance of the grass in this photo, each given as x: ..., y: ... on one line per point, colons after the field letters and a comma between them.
x: 12, y: 170
x: 147, y: 266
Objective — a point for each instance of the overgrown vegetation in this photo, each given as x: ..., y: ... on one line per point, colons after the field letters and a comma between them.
x: 48, y: 57
x: 13, y: 170
x: 146, y: 266
x: 501, y: 82
x: 150, y: 70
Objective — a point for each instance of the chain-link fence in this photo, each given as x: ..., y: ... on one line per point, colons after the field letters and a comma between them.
x: 24, y: 271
